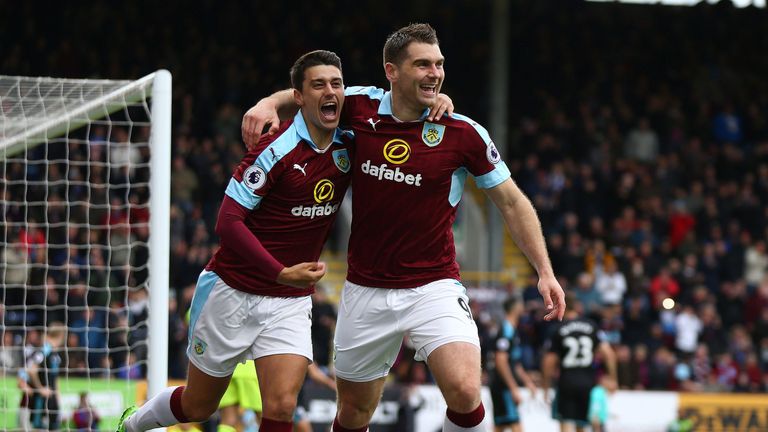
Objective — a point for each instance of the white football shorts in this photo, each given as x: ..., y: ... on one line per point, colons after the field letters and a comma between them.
x: 228, y: 326
x: 373, y: 321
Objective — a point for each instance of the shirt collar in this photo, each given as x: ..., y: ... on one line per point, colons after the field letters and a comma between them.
x: 385, y: 107
x: 303, y: 131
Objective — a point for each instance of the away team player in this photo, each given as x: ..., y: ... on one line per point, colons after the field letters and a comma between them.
x: 573, y: 346
x: 403, y: 277
x: 253, y: 299
x: 508, y: 370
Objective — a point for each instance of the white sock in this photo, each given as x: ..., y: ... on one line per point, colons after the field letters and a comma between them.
x: 449, y: 426
x: 153, y: 414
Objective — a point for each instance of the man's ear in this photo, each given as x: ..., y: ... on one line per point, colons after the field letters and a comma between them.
x: 391, y: 71
x: 298, y: 98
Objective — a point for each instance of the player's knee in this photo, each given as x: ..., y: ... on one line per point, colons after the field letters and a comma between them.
x: 356, y: 409
x: 463, y: 396
x: 281, y: 408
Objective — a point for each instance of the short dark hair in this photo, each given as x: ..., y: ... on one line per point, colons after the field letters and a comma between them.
x: 397, y: 43
x: 312, y: 58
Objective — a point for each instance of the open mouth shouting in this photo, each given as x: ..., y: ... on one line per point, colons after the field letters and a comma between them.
x: 329, y: 111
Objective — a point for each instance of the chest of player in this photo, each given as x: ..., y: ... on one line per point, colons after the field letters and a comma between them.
x: 418, y: 154
x: 311, y: 179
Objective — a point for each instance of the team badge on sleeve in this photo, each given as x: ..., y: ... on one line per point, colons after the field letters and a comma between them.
x: 432, y: 134
x: 492, y: 153
x: 254, y: 177
x: 341, y: 159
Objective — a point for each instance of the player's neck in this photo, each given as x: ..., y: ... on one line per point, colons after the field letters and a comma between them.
x: 404, y: 111
x: 321, y: 137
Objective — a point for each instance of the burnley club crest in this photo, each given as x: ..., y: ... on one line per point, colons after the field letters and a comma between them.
x: 341, y: 159
x: 432, y: 134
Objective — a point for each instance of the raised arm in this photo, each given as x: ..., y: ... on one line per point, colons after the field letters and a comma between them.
x: 268, y: 111
x: 282, y: 106
x: 525, y: 227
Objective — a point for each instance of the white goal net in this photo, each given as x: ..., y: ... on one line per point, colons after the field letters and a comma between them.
x: 83, y: 162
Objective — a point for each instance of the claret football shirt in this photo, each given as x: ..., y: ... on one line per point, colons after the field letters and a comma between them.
x: 408, y: 178
x: 293, y: 191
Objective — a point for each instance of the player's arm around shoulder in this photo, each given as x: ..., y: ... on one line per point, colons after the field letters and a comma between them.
x: 267, y: 112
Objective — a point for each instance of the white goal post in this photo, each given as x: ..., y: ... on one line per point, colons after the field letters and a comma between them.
x: 85, y: 227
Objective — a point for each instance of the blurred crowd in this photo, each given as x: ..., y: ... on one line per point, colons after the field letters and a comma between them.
x: 76, y: 250
x: 646, y: 157
x: 639, y: 133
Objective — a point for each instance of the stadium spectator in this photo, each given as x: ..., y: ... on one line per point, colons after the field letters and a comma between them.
x: 661, y: 370
x: 16, y: 267
x: 755, y: 263
x: 727, y: 126
x: 760, y: 328
x: 726, y: 371
x: 131, y: 370
x: 642, y: 143
x: 75, y: 359
x: 84, y: 417
x: 663, y: 286
x: 11, y: 355
x: 624, y: 373
x: 184, y: 184
x: 124, y: 159
x: 137, y: 309
x: 589, y: 297
x: 640, y: 368
x: 54, y: 302
x: 118, y: 328
x: 611, y: 284
x: 687, y: 329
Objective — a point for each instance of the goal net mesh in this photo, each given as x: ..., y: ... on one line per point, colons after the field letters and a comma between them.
x: 74, y: 245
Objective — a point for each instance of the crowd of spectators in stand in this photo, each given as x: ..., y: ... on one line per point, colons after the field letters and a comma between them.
x: 76, y: 251
x: 651, y: 180
x: 639, y: 133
